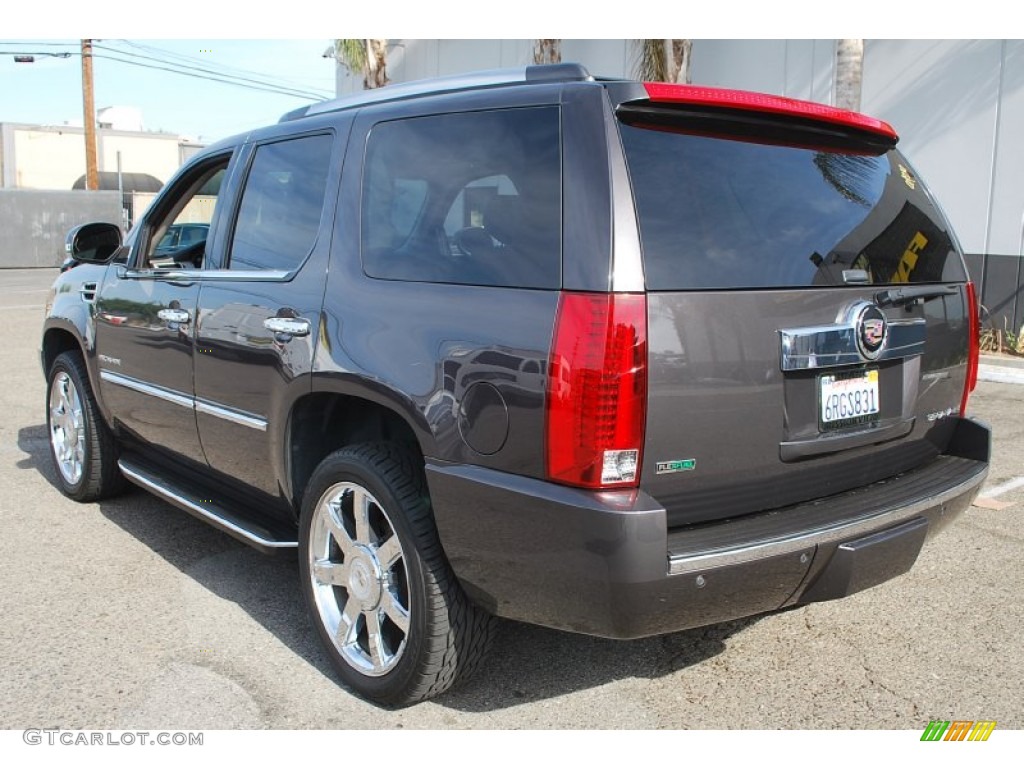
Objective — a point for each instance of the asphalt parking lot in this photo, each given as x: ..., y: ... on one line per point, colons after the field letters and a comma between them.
x: 131, y: 614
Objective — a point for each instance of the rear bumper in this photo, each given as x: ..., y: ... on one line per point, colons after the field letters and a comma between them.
x: 605, y: 563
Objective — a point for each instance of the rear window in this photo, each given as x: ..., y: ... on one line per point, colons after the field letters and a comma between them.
x: 718, y: 213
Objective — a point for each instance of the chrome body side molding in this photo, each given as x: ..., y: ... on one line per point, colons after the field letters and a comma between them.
x: 147, y: 389
x: 203, y: 406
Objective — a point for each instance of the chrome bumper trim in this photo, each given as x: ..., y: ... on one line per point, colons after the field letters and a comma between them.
x: 826, y: 535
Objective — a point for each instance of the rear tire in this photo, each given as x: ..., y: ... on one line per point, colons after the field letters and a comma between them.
x: 394, y: 621
x: 82, y: 448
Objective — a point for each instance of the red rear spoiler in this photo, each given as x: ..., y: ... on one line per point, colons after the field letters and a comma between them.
x: 763, y: 102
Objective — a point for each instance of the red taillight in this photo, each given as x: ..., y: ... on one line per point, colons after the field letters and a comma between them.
x: 763, y: 102
x: 597, y: 390
x: 974, y: 346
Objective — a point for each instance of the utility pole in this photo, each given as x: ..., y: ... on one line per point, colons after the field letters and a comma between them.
x: 92, y: 180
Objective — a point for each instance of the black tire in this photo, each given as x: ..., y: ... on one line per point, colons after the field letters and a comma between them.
x: 354, y: 583
x: 87, y: 470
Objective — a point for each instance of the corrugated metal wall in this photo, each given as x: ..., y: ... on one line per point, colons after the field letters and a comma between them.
x: 35, y: 222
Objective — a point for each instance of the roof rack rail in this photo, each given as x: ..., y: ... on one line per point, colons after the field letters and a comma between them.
x: 491, y: 78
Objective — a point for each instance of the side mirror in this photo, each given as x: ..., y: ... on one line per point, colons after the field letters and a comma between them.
x: 94, y: 243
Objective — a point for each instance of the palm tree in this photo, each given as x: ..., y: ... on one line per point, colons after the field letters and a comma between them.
x: 547, y: 51
x: 852, y: 176
x: 366, y: 57
x: 849, y: 73
x: 666, y: 61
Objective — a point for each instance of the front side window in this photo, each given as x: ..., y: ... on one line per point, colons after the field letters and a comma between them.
x: 283, y: 200
x: 179, y: 236
x: 470, y: 198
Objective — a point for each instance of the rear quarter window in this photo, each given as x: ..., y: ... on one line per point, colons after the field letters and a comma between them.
x: 718, y: 213
x: 470, y: 198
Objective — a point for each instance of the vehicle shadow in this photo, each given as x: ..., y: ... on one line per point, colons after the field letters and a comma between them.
x: 526, y: 663
x: 34, y: 442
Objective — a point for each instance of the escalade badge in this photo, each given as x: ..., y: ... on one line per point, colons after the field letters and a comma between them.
x: 871, y: 330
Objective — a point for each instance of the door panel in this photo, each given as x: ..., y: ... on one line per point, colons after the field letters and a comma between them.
x: 246, y: 374
x: 145, y: 356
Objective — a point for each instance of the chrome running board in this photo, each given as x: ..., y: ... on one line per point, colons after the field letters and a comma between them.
x: 216, y: 515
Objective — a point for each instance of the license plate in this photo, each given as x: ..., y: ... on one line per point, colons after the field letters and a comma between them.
x: 848, y: 399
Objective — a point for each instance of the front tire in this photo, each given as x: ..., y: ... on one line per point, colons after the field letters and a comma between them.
x: 387, y: 607
x: 82, y: 447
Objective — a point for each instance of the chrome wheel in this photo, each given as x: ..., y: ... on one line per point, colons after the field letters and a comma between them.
x: 67, y: 428
x: 360, y: 585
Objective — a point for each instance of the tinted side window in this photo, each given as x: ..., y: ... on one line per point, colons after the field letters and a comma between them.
x: 471, y: 198
x: 716, y: 213
x: 282, y: 203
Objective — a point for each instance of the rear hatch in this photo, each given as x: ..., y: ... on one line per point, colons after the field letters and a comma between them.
x: 807, y: 307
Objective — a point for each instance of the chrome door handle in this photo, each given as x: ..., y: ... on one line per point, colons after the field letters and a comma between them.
x: 180, y: 316
x: 287, y: 326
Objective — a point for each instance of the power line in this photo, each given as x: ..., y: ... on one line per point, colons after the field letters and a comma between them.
x: 225, y: 68
x: 184, y: 68
x: 215, y: 79
x: 200, y: 73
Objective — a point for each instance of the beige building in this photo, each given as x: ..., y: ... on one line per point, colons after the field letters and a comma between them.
x: 53, y: 157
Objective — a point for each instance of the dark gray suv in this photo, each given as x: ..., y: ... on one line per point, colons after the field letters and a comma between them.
x: 611, y: 357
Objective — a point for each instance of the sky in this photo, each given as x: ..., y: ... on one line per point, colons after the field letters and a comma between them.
x: 49, y: 91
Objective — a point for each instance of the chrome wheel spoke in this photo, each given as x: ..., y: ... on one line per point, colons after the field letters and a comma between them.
x: 334, y: 574
x: 395, y: 611
x: 389, y: 553
x: 361, y: 512
x: 348, y: 627
x: 337, y: 528
x: 375, y: 640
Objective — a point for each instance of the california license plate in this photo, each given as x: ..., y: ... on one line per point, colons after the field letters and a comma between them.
x: 848, y: 399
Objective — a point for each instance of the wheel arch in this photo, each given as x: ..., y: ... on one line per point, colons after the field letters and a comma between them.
x: 322, y: 422
x: 56, y: 340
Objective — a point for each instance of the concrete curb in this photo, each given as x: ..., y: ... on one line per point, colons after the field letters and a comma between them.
x: 1000, y: 373
x: 1005, y: 370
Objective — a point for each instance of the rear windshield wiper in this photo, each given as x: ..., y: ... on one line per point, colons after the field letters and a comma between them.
x: 895, y: 297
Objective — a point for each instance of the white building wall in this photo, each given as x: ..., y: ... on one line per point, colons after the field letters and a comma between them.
x: 1006, y: 234
x: 159, y: 157
x: 799, y: 69
x: 47, y: 158
x: 941, y: 98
